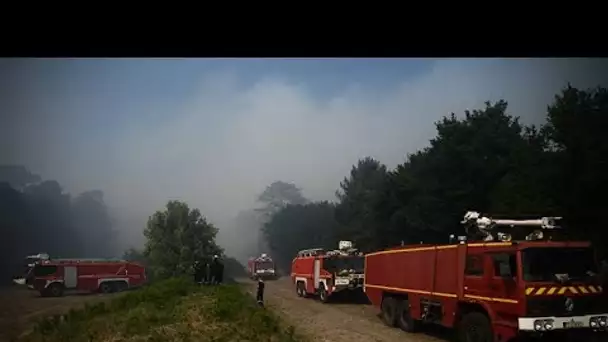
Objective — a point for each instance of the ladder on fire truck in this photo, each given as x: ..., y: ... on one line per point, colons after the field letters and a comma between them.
x: 488, y: 228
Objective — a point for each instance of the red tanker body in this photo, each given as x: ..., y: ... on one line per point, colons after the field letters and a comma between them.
x: 498, y: 290
x: 54, y: 277
x: 324, y: 273
x: 261, y: 267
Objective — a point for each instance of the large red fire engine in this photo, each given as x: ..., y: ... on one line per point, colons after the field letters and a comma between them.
x: 262, y: 266
x: 53, y: 277
x: 321, y: 272
x: 491, y: 291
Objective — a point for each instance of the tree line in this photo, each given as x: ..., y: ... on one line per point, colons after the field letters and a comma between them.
x: 37, y: 216
x: 177, y: 236
x: 486, y: 160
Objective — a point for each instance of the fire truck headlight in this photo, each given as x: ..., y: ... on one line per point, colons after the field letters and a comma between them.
x: 602, y: 321
x: 538, y: 325
x: 593, y: 322
x: 549, y: 324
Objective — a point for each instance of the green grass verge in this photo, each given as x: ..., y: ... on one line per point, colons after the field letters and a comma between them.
x: 170, y: 310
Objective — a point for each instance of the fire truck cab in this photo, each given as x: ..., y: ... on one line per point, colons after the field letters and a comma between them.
x: 323, y: 273
x: 523, y: 282
x: 262, y: 266
x: 54, y: 277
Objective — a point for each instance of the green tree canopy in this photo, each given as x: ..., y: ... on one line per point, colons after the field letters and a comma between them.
x: 298, y: 227
x: 177, y: 237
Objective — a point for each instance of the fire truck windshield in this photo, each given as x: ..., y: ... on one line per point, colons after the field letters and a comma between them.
x: 341, y: 263
x: 264, y: 265
x: 545, y: 264
x: 44, y: 270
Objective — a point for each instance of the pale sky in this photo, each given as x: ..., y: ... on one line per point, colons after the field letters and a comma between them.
x: 215, y: 132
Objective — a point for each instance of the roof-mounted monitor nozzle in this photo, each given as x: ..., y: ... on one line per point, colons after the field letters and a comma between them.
x: 345, y: 245
x: 345, y: 248
x: 490, y: 229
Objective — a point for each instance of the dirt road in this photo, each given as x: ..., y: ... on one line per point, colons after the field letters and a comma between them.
x: 333, y: 322
x: 20, y: 307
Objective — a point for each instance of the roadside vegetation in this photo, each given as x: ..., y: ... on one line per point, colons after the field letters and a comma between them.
x: 171, y: 307
x: 168, y: 310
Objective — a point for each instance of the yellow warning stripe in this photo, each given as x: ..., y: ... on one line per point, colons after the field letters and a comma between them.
x: 561, y: 290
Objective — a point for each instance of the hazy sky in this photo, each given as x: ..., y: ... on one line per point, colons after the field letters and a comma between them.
x: 214, y: 132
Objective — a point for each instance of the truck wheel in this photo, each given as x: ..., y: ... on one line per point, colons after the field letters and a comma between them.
x: 323, y: 297
x: 389, y: 311
x: 55, y: 290
x: 404, y: 318
x: 121, y: 286
x: 105, y: 287
x: 299, y: 289
x: 475, y: 327
x: 303, y: 290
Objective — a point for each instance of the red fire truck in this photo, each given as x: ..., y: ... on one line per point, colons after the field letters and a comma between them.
x: 321, y: 272
x: 53, y: 277
x: 493, y: 290
x: 262, y: 266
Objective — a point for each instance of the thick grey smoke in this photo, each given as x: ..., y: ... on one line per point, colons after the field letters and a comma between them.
x: 220, y: 147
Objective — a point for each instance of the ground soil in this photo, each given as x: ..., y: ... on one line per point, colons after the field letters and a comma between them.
x: 19, y: 307
x: 338, y: 321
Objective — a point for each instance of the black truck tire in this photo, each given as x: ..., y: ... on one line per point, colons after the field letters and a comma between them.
x: 475, y: 327
x: 323, y: 297
x: 404, y: 318
x: 55, y: 290
x: 389, y: 311
x: 106, y: 287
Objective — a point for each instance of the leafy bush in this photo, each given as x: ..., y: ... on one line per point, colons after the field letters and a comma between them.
x: 171, y: 310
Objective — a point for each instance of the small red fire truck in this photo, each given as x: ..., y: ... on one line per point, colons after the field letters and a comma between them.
x: 489, y: 290
x: 262, y: 266
x: 53, y: 277
x: 321, y: 272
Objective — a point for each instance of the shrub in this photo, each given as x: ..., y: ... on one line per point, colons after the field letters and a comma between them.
x: 170, y: 310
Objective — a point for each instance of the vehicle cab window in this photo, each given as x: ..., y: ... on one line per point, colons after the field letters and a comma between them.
x: 44, y: 270
x: 474, y: 265
x: 505, y: 265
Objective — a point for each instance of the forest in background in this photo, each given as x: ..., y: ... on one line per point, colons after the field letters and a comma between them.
x: 37, y: 216
x: 485, y: 161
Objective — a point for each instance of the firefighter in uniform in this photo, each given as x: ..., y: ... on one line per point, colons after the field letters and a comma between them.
x: 214, y: 270
x: 220, y: 271
x: 260, y: 291
x: 205, y: 271
x: 197, y: 272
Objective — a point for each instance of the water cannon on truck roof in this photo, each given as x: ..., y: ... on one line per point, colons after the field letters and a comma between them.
x: 491, y: 228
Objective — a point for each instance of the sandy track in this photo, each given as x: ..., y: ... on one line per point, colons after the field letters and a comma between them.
x: 335, y: 322
x: 19, y: 307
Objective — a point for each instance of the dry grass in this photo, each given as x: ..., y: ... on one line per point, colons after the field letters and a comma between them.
x: 172, y: 310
